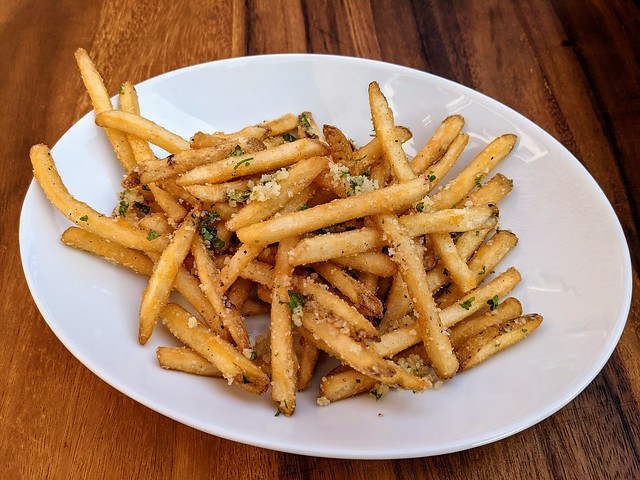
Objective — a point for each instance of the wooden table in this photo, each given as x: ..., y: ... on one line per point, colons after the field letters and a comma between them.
x: 570, y: 66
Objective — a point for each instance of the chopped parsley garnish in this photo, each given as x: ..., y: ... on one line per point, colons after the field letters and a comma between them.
x: 245, y: 379
x: 375, y: 394
x: 123, y: 207
x: 295, y: 300
x: 354, y: 183
x: 493, y: 302
x: 152, y: 235
x: 524, y: 330
x: 121, y: 90
x: 478, y: 180
x: 238, y: 196
x: 278, y: 412
x: 356, y: 160
x: 483, y: 270
x: 253, y: 355
x: 304, y: 206
x: 141, y: 207
x: 303, y: 120
x: 431, y: 177
x: 420, y: 206
x: 288, y: 137
x: 84, y: 218
x: 467, y: 303
x: 209, y: 232
x: 236, y: 152
x: 246, y: 162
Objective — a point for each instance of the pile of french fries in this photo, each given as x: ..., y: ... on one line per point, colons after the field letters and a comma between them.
x: 351, y: 251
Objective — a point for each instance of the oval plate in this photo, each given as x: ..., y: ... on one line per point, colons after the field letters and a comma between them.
x: 572, y: 250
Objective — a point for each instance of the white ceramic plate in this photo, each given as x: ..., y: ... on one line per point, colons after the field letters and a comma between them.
x: 572, y: 253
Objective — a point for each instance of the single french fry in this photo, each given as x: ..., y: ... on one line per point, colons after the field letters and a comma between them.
x: 280, y: 125
x: 320, y: 248
x: 129, y: 102
x: 477, y: 299
x: 229, y: 315
x: 397, y: 305
x: 343, y: 382
x: 157, y: 222
x: 186, y: 160
x: 205, y: 140
x: 458, y: 269
x: 185, y: 360
x: 357, y: 324
x: 474, y: 172
x: 496, y: 339
x: 236, y: 190
x: 506, y: 310
x: 244, y: 255
x: 172, y: 208
x: 351, y: 288
x: 298, y: 178
x: 430, y: 326
x: 492, y: 191
x: 387, y: 199
x: 384, y: 126
x: 284, y: 363
x: 438, y: 144
x: 365, y: 157
x: 253, y: 163
x: 436, y: 172
x: 235, y: 367
x: 450, y: 220
x: 101, y: 102
x: 156, y: 295
x: 114, y: 229
x: 143, y: 128
x: 376, y: 263
x: 308, y: 360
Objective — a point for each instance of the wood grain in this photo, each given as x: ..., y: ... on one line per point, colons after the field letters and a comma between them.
x: 570, y: 66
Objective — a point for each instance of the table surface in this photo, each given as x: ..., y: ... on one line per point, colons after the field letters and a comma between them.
x: 571, y: 66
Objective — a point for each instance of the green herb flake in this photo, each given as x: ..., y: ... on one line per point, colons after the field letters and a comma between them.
x: 295, y: 300
x: 478, y: 180
x: 288, y: 137
x: 483, y: 270
x: 278, y: 412
x: 245, y: 379
x: 121, y: 90
x: 467, y: 303
x: 141, y: 207
x: 303, y: 120
x: 84, y: 218
x: 123, y: 208
x: 304, y: 206
x: 431, y: 177
x: 420, y: 207
x: 375, y: 394
x: 253, y: 355
x: 236, y: 152
x: 493, y: 302
x: 152, y: 235
x: 356, y: 160
x: 246, y: 162
x: 238, y: 196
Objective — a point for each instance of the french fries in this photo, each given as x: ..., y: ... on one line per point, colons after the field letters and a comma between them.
x: 351, y: 251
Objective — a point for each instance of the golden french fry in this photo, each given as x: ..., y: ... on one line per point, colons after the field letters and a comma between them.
x: 114, y: 229
x: 285, y: 306
x: 429, y: 323
x: 186, y: 160
x: 143, y: 128
x: 173, y: 209
x: 384, y: 126
x: 437, y: 145
x: 387, y: 199
x: 186, y: 360
x: 343, y: 382
x: 236, y: 190
x: 376, y: 263
x: 320, y: 248
x: 238, y: 262
x: 506, y: 310
x: 309, y: 355
x: 496, y: 339
x: 349, y: 318
x: 481, y: 297
x: 367, y: 156
x: 351, y: 288
x: 436, y: 172
x: 458, y: 269
x: 129, y: 102
x: 102, y: 103
x: 474, y: 172
x: 253, y: 163
x: 156, y: 295
x: 296, y: 179
x: 229, y: 315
